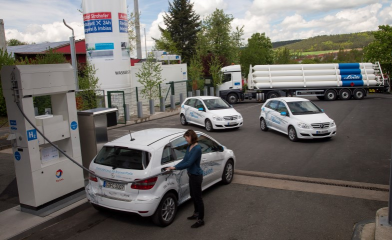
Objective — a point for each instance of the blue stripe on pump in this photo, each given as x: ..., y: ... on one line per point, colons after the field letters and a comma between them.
x: 356, y: 83
x: 350, y: 71
x: 348, y: 65
x: 351, y: 77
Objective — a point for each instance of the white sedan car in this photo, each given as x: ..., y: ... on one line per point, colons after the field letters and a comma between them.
x: 144, y: 156
x: 210, y: 112
x: 296, y: 117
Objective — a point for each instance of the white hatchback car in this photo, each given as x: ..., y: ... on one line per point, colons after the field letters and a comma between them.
x: 210, y: 112
x: 296, y: 117
x: 145, y: 155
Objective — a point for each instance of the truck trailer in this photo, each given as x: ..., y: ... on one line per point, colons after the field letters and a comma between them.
x: 329, y: 81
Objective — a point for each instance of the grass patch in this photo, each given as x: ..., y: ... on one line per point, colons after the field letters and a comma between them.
x: 318, y: 52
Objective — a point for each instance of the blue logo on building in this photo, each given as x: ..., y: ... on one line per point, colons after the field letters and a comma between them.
x: 31, y: 135
x: 74, y: 125
x: 17, y: 156
x: 13, y: 122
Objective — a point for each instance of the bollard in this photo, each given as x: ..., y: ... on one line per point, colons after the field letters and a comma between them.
x: 211, y: 91
x: 217, y: 93
x: 139, y: 110
x: 162, y: 104
x: 181, y: 98
x: 190, y: 94
x: 197, y: 92
x: 172, y: 103
x: 205, y: 91
x: 390, y: 196
x: 36, y: 111
x: 126, y: 113
x: 152, y: 107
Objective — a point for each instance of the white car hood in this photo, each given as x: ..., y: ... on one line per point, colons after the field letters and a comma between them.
x: 224, y: 112
x: 313, y: 118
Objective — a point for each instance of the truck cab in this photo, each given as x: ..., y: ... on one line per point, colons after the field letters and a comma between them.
x: 231, y: 87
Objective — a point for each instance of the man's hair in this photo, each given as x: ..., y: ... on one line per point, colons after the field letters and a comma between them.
x: 192, y: 134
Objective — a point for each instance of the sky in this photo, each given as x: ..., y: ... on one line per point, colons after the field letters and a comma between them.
x: 41, y: 20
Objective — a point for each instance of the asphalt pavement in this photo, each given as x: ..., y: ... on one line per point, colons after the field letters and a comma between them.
x: 360, y: 152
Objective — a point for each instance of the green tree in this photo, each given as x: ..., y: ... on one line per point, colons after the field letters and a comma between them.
x: 86, y: 98
x: 258, y: 51
x: 282, y: 56
x: 5, y: 60
x: 183, y: 25
x: 215, y: 67
x: 149, y: 76
x: 15, y: 42
x: 195, y: 73
x: 380, y: 50
x: 166, y: 43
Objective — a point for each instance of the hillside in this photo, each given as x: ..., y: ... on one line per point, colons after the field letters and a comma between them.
x: 332, y: 42
x: 284, y: 43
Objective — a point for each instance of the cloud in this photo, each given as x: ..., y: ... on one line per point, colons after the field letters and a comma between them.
x: 53, y: 32
x: 305, y: 6
x: 205, y: 7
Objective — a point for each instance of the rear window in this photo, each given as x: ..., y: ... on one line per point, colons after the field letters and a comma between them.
x: 121, y: 157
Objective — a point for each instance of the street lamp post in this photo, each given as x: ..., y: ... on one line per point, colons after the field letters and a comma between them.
x: 73, y: 55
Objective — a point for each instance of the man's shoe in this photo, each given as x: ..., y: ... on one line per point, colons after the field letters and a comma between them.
x: 193, y: 217
x: 199, y: 223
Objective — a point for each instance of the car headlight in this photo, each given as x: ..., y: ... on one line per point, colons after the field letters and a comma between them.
x: 333, y: 124
x: 303, y: 125
x: 239, y: 116
x: 216, y: 118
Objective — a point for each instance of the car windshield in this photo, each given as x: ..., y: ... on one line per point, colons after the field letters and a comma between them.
x: 303, y: 107
x: 121, y: 157
x: 216, y: 104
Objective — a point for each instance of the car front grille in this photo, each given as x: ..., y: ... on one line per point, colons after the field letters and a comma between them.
x: 320, y: 125
x: 230, y: 117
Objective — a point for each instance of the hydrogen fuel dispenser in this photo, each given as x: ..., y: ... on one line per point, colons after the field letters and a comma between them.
x: 47, y: 180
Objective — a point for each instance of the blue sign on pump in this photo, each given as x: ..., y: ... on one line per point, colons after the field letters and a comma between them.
x: 74, y: 125
x: 31, y: 135
x: 13, y: 122
x: 17, y: 156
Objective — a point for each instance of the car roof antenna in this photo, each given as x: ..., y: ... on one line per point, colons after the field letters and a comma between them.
x: 132, y: 139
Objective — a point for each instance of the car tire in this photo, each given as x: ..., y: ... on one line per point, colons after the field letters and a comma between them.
x: 345, y: 94
x: 208, y: 126
x: 292, y: 134
x: 232, y: 98
x: 183, y: 120
x: 99, y: 208
x: 358, y: 94
x: 330, y: 95
x: 166, y: 211
x: 273, y: 94
x: 263, y: 125
x: 321, y: 98
x: 228, y: 172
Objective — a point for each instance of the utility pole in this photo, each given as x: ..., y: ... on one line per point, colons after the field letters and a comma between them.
x: 3, y: 43
x: 73, y: 55
x: 137, y: 28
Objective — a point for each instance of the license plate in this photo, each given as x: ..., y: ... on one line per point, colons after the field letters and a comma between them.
x: 231, y: 123
x: 321, y: 132
x: 113, y: 185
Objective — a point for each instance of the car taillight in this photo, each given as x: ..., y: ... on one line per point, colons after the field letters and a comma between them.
x: 93, y: 178
x: 145, y: 184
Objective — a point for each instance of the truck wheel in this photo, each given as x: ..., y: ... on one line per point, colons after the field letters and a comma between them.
x: 345, y: 94
x: 320, y: 98
x: 330, y: 95
x: 358, y: 94
x: 273, y: 94
x: 166, y: 211
x: 292, y: 134
x: 232, y: 98
x: 263, y: 125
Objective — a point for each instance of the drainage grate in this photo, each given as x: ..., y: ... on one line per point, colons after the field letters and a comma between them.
x: 317, y: 182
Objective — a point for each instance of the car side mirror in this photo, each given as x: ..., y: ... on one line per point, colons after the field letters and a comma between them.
x: 322, y: 110
x: 221, y: 148
x: 231, y: 106
x: 201, y: 109
x: 284, y: 114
